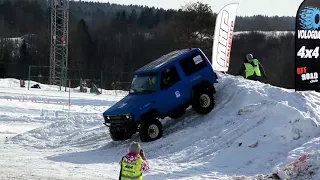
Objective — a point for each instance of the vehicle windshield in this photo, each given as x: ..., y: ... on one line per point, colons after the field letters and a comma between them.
x: 144, y: 83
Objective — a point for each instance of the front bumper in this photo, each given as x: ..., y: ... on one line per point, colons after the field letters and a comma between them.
x: 121, y: 123
x: 118, y: 119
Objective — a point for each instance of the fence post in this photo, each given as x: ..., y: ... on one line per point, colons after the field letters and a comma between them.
x: 29, y: 74
x: 69, y: 99
x: 101, y: 80
x: 62, y: 73
x: 66, y: 78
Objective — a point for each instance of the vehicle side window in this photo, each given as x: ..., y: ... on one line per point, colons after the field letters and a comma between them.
x: 169, y: 77
x: 192, y: 64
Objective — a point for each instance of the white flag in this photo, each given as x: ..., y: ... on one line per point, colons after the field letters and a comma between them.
x: 222, y: 39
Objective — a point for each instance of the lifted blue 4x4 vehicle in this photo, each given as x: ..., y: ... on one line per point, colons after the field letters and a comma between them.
x: 163, y: 88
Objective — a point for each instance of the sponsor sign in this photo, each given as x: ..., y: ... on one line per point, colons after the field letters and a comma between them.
x: 223, y: 35
x: 307, y: 37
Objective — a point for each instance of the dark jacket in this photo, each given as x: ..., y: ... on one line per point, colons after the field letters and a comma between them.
x: 254, y: 76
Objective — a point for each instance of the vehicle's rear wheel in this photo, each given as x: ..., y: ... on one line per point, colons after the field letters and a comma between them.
x: 150, y: 130
x: 118, y: 135
x: 203, y: 101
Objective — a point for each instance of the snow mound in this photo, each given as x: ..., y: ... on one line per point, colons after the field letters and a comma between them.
x: 73, y: 132
x: 305, y: 167
x: 254, y: 128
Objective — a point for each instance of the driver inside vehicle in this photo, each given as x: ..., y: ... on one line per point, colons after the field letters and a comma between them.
x: 153, y: 82
x: 166, y: 77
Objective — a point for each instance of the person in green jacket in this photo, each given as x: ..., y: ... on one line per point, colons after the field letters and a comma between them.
x: 252, y: 69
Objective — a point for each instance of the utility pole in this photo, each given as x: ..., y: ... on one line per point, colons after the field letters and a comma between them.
x: 59, y: 41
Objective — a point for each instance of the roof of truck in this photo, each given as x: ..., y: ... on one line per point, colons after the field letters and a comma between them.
x: 163, y: 60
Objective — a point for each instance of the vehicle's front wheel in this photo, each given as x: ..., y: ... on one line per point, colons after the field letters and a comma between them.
x: 118, y: 135
x: 203, y: 101
x: 150, y: 130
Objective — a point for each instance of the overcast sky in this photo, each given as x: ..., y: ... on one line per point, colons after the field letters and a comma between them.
x: 246, y: 7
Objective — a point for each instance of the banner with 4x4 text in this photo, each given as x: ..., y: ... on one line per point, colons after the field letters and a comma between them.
x: 307, y: 43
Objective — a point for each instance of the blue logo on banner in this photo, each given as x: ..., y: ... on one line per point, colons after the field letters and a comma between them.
x: 310, y: 18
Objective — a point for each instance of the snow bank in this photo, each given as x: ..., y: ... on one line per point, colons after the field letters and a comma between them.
x: 305, y: 167
x: 73, y: 132
x: 317, y: 175
x: 251, y: 130
x: 267, y: 33
x: 10, y: 84
x: 254, y: 129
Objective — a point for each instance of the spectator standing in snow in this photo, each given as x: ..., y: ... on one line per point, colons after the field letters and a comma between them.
x: 134, y: 164
x: 252, y: 69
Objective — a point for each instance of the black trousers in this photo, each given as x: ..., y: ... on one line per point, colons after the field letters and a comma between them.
x: 254, y: 78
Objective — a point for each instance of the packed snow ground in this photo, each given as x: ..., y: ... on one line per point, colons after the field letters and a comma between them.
x: 254, y: 129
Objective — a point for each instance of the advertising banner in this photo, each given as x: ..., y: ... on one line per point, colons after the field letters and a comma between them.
x: 307, y: 43
x: 223, y: 35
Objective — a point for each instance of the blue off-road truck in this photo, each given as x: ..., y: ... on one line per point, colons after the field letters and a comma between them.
x: 165, y: 87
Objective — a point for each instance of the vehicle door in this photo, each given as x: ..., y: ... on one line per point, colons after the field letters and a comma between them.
x: 173, y: 93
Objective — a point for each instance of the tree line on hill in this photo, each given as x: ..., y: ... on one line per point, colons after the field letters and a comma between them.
x: 112, y: 41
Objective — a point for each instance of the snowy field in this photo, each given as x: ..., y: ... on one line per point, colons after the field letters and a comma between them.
x: 267, y: 33
x: 254, y: 129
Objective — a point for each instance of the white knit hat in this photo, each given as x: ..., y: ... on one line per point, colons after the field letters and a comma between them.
x: 135, y: 147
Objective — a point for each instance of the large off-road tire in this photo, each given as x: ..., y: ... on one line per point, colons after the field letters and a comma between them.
x: 203, y: 101
x: 178, y: 113
x: 118, y: 136
x: 150, y: 130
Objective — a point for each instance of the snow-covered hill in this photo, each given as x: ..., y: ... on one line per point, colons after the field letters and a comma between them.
x: 254, y: 129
